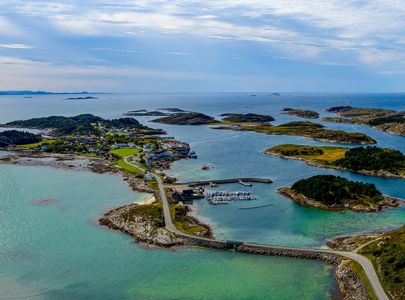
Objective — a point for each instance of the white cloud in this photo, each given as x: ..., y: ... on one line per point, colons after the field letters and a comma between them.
x: 15, y: 46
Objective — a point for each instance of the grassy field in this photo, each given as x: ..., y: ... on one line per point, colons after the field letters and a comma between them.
x: 388, y: 257
x: 125, y: 151
x: 123, y: 165
x: 31, y: 146
x: 321, y: 154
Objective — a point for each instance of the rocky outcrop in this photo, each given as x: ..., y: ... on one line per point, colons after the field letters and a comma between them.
x: 351, y: 285
x: 141, y: 229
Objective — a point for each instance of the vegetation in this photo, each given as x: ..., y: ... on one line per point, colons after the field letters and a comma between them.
x: 358, y: 270
x: 373, y: 158
x: 303, y: 113
x: 122, y: 152
x: 388, y: 257
x: 146, y: 113
x: 81, y: 124
x: 382, y: 119
x: 321, y: 154
x: 120, y: 163
x: 335, y: 190
x: 15, y: 137
x: 253, y: 118
x: 380, y: 161
x: 187, y: 224
x: 192, y: 118
x: 152, y: 213
x: 310, y: 130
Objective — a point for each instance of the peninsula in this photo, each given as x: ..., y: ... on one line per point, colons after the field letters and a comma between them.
x: 307, y: 129
x: 372, y: 161
x: 334, y: 193
x: 302, y: 113
x: 378, y: 118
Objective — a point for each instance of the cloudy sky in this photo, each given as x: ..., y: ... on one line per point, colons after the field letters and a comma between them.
x: 210, y: 45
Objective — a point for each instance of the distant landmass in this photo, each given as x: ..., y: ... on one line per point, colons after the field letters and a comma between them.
x: 43, y: 93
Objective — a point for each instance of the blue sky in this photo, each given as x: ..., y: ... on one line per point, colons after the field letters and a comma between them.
x: 211, y: 45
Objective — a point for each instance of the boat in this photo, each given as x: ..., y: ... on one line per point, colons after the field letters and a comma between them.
x: 241, y: 182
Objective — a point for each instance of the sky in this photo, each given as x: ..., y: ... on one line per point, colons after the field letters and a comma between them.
x: 203, y: 45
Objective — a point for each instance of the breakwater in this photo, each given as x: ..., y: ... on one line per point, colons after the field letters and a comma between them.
x: 226, y: 181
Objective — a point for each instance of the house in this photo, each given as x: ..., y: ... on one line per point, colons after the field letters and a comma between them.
x: 132, y: 145
x: 147, y: 146
x: 148, y: 176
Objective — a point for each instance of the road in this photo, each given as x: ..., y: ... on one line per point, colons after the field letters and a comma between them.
x: 363, y: 261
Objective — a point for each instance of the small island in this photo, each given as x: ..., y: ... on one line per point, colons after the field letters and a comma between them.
x: 145, y: 113
x: 172, y: 109
x: 249, y: 118
x: 378, y: 118
x: 307, y: 129
x: 334, y: 193
x: 302, y: 113
x: 191, y: 118
x: 372, y: 161
x: 82, y: 98
x: 15, y: 137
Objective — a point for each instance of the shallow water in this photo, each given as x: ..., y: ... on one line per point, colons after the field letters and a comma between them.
x: 56, y: 251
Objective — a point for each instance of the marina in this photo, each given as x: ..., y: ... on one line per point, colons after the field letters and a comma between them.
x: 219, y: 198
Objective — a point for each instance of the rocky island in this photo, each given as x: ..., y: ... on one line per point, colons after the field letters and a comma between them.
x: 334, y: 193
x: 249, y: 118
x: 307, y: 129
x: 382, y: 119
x: 191, y: 118
x: 302, y: 113
x: 143, y: 113
x: 372, y: 161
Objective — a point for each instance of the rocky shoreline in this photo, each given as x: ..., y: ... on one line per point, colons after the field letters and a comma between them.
x: 304, y: 201
x: 384, y: 174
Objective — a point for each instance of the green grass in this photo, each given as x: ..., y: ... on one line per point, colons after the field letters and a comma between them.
x: 125, y: 151
x: 31, y: 146
x: 311, y: 130
x: 388, y: 257
x: 321, y: 154
x: 127, y: 167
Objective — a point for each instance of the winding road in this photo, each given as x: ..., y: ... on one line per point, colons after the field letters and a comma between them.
x: 363, y: 261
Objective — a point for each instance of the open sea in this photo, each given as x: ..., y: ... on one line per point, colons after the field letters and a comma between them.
x: 57, y: 250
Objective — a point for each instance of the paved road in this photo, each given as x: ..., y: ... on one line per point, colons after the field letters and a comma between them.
x: 363, y: 261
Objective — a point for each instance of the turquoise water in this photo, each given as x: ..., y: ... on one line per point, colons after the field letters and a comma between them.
x: 57, y: 251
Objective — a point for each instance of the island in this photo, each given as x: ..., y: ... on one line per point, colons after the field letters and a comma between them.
x: 82, y: 98
x: 191, y: 118
x: 15, y: 137
x: 378, y: 118
x: 386, y: 250
x: 250, y: 118
x: 145, y: 113
x: 372, y: 161
x: 306, y: 129
x: 334, y: 193
x: 172, y: 109
x: 302, y: 113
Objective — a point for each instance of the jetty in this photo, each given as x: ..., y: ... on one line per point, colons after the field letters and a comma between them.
x: 226, y: 181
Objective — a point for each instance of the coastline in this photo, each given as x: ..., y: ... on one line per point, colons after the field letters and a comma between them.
x: 302, y: 200
x: 343, y: 273
x: 383, y: 174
